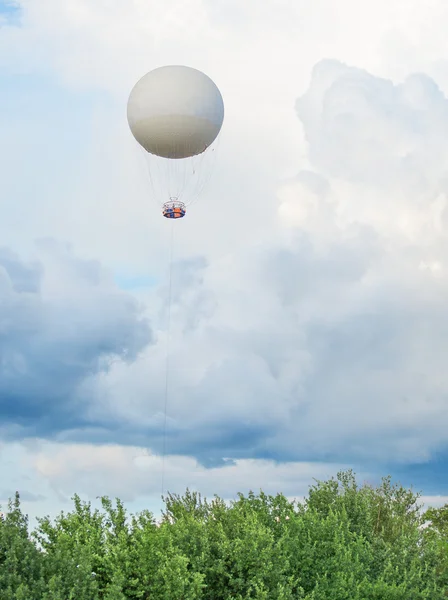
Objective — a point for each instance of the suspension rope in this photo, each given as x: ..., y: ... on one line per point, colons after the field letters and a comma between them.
x: 167, y: 358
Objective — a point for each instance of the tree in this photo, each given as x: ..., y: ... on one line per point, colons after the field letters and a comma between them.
x: 436, y: 530
x: 21, y: 566
x: 345, y: 541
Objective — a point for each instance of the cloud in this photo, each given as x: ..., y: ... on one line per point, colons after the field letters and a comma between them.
x: 74, y: 51
x: 307, y: 313
x: 25, y: 496
x: 324, y: 342
x: 434, y: 501
x: 128, y: 473
x: 366, y: 129
x: 131, y: 473
x: 63, y: 321
x: 271, y: 348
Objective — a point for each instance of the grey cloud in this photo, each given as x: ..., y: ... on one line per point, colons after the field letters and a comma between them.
x: 61, y: 321
x: 25, y: 496
x: 299, y: 275
x: 188, y: 293
x: 257, y: 373
x: 318, y: 367
x: 21, y: 277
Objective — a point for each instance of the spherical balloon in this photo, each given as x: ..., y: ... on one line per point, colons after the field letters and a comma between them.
x: 175, y: 112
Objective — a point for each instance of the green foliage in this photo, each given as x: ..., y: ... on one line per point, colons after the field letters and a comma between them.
x: 21, y: 573
x: 437, y: 532
x: 345, y: 542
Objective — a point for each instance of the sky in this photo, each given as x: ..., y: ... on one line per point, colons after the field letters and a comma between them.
x: 309, y: 318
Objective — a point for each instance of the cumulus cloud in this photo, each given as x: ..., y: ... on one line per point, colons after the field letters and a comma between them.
x: 369, y: 130
x: 313, y: 344
x: 325, y: 342
x: 379, y: 149
x: 62, y: 322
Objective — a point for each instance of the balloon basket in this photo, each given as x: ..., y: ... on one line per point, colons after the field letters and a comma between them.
x: 174, y: 209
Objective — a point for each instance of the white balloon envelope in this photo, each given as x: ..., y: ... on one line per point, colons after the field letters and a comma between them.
x: 175, y: 113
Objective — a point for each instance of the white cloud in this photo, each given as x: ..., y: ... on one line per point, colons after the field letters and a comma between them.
x: 130, y: 473
x: 261, y: 66
x: 434, y: 501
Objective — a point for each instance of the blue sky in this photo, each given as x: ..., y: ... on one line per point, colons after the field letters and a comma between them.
x: 10, y: 10
x: 308, y: 312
